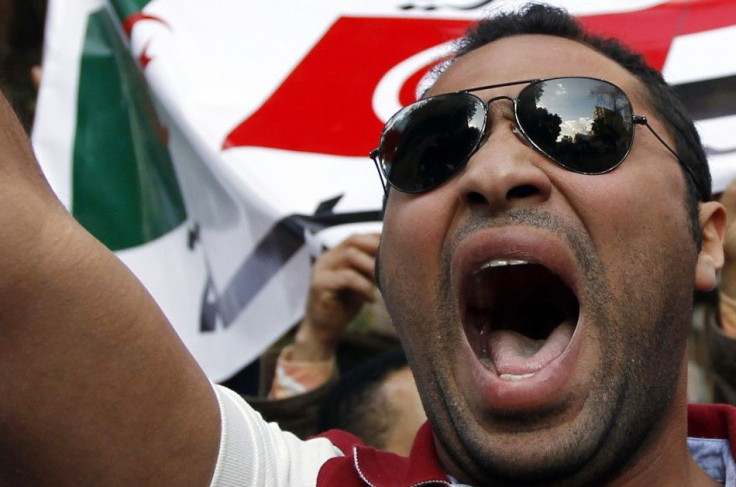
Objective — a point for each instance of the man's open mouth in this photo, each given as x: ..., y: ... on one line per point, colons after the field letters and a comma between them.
x: 518, y: 316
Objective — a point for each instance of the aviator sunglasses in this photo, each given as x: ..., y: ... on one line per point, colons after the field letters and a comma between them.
x: 585, y: 125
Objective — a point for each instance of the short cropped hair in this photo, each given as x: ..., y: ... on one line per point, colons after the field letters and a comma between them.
x: 356, y: 404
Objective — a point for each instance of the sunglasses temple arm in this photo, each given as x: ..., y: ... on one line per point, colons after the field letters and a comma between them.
x: 374, y: 157
x: 643, y: 121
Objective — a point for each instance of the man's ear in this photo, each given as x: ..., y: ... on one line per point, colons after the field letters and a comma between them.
x: 710, y: 258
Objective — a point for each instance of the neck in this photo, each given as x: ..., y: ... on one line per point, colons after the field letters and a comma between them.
x: 667, y: 460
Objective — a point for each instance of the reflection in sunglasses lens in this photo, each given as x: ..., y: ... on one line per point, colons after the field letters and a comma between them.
x: 583, y: 124
x: 432, y: 140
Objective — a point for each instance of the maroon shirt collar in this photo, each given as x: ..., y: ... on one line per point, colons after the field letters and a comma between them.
x: 421, y: 467
x: 366, y: 465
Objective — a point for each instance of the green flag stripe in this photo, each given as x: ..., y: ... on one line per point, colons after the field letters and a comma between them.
x: 125, y: 190
x: 126, y: 8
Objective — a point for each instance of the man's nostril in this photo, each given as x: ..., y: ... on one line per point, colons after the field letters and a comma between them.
x: 476, y: 198
x: 523, y: 191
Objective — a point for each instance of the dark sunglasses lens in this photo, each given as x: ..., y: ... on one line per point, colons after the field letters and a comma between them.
x: 586, y: 125
x: 427, y: 142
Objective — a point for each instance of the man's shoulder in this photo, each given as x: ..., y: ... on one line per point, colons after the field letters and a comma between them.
x: 712, y: 421
x: 712, y: 439
x: 363, y: 464
x: 342, y: 439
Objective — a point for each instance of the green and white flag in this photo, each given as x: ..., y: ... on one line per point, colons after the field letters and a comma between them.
x: 217, y: 147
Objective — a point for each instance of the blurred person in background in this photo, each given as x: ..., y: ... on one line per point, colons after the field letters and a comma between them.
x: 378, y: 402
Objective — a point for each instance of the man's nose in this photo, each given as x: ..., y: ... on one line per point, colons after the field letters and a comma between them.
x: 506, y: 172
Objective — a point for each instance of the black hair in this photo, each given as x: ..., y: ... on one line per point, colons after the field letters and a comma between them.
x: 548, y: 20
x: 356, y: 405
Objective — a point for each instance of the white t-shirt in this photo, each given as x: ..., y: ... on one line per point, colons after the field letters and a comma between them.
x: 254, y: 452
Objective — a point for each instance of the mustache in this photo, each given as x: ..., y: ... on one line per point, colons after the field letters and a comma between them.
x: 576, y: 237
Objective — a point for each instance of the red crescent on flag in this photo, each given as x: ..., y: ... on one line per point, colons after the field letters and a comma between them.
x: 128, y: 24
x: 131, y: 20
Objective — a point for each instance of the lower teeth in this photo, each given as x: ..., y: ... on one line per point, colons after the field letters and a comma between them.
x: 513, y: 377
x: 486, y: 360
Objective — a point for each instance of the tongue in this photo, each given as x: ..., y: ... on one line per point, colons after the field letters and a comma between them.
x: 515, y: 354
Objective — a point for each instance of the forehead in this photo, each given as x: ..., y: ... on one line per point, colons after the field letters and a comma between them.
x: 532, y: 56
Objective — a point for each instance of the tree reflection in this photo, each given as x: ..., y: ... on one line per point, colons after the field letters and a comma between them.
x: 595, y: 146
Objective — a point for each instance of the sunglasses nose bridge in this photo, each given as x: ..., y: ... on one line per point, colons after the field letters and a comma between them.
x: 491, y: 120
x: 489, y: 110
x: 504, y: 173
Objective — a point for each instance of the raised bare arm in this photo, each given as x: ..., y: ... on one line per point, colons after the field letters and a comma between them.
x: 95, y: 386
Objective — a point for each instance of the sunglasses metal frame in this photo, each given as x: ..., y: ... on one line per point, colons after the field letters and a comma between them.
x: 636, y: 120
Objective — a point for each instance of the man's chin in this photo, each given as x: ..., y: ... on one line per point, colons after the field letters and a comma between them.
x: 562, y: 444
x: 542, y: 462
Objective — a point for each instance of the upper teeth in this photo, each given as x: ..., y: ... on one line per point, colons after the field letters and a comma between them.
x: 502, y: 263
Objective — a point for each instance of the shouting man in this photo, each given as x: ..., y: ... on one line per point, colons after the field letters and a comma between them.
x: 547, y: 220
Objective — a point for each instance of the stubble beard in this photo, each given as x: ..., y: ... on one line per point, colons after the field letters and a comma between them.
x: 634, y: 380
